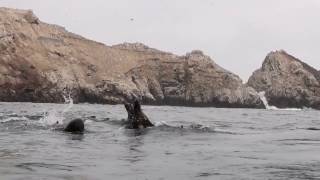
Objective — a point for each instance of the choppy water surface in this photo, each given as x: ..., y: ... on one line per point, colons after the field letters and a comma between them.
x: 213, y: 143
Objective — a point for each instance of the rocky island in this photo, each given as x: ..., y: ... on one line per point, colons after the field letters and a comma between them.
x: 40, y: 62
x: 287, y: 81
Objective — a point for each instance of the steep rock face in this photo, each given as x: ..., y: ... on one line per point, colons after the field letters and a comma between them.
x: 41, y: 62
x: 287, y: 81
x: 193, y: 79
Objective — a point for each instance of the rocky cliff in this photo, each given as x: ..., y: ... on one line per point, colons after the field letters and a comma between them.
x: 40, y: 62
x: 287, y: 81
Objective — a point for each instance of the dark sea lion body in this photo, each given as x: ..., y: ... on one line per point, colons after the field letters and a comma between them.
x: 75, y: 126
x: 136, y: 118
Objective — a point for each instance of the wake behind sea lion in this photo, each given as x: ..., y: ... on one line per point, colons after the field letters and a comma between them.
x: 136, y: 118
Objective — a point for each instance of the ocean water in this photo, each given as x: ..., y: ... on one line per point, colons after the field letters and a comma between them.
x: 187, y: 143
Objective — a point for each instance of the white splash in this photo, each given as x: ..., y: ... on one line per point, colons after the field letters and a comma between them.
x: 9, y: 119
x: 51, y: 117
x: 265, y: 101
x: 68, y: 100
x: 268, y: 107
x: 161, y: 123
x: 56, y: 116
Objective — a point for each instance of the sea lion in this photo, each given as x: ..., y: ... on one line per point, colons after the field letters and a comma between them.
x: 75, y: 126
x: 136, y: 118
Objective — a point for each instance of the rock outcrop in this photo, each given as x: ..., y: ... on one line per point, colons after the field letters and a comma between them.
x: 287, y: 81
x: 194, y: 80
x: 41, y: 62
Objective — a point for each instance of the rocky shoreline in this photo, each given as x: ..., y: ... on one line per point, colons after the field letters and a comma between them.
x: 42, y: 62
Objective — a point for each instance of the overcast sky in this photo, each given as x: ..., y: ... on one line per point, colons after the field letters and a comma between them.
x: 237, y: 34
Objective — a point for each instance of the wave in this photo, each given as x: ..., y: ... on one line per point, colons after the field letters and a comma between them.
x: 31, y: 166
x: 193, y: 127
x: 165, y: 126
x: 13, y: 119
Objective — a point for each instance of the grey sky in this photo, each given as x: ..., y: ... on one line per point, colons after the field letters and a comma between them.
x: 237, y: 34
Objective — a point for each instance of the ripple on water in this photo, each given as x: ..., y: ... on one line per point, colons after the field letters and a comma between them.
x: 209, y: 174
x: 9, y: 154
x: 302, y: 141
x: 34, y: 166
x: 295, y: 171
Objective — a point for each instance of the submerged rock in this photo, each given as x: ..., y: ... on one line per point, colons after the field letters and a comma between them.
x: 287, y: 81
x: 40, y: 62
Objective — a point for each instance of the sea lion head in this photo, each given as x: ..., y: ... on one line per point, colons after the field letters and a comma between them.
x: 75, y: 126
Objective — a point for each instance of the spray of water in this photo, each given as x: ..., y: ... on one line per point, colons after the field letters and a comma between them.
x: 68, y: 100
x: 56, y: 116
x: 265, y: 101
x: 268, y: 107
